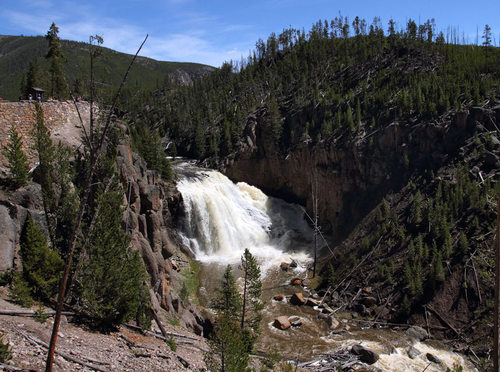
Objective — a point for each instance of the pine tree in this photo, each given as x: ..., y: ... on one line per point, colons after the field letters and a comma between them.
x: 34, y: 77
x: 113, y: 274
x: 228, y: 300
x: 229, y: 347
x: 275, y: 120
x: 17, y: 160
x: 58, y: 87
x: 42, y: 267
x: 252, y: 305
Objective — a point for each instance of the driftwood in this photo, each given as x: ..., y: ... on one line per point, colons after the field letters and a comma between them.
x: 330, y: 362
x: 37, y: 341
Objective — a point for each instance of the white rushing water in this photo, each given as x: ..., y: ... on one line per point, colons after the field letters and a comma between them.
x: 223, y: 218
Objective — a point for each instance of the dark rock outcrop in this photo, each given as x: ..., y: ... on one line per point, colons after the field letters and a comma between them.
x: 352, y: 174
x: 365, y: 355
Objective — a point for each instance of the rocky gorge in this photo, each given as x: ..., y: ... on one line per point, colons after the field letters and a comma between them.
x: 152, y: 204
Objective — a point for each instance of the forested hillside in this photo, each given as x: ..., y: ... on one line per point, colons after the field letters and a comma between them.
x: 339, y: 79
x: 17, y: 52
x: 398, y: 132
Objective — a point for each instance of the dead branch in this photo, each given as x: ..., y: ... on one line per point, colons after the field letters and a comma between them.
x: 162, y: 337
x: 9, y: 368
x: 358, y: 265
x: 32, y: 312
x: 36, y: 341
x: 444, y: 321
x: 94, y: 160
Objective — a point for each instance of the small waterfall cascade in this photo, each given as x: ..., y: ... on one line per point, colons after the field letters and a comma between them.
x: 223, y: 218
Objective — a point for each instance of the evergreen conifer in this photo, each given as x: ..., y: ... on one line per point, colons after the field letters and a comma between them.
x: 42, y: 266
x: 58, y: 87
x: 113, y: 274
x: 252, y: 304
x: 17, y: 160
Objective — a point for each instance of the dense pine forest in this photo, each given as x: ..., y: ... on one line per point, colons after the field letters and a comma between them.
x: 339, y: 80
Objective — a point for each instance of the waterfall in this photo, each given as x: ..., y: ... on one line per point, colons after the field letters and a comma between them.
x: 223, y: 218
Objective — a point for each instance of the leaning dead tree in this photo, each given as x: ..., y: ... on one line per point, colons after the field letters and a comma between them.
x: 96, y: 142
x: 497, y: 290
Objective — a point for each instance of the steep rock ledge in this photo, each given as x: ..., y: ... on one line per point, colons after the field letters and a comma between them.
x: 152, y: 204
x: 352, y: 174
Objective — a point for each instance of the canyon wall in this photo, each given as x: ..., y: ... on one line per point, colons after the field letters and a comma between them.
x: 152, y: 205
x: 351, y: 175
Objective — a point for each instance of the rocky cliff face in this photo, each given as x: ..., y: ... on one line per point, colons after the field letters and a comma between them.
x: 152, y: 204
x: 351, y: 175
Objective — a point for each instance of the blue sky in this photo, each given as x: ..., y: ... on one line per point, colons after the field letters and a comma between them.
x: 214, y: 31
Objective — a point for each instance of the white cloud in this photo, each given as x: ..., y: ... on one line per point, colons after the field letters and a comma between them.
x: 196, y: 43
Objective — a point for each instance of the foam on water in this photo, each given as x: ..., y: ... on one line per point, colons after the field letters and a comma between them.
x: 223, y: 218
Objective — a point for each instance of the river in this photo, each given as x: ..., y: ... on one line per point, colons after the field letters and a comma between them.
x: 223, y: 218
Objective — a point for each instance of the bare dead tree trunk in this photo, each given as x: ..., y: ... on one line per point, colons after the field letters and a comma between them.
x: 315, y: 211
x: 95, y: 154
x: 497, y: 290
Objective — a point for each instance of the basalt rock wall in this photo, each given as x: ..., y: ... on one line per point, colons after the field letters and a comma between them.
x: 351, y: 174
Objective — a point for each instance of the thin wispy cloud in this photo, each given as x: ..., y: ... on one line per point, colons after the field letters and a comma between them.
x: 214, y: 32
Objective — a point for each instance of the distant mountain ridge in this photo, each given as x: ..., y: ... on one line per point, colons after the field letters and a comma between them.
x: 16, y: 52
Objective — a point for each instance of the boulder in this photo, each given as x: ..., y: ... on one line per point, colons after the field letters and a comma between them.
x: 188, y: 319
x: 282, y: 322
x: 297, y: 299
x: 433, y: 358
x: 284, y: 266
x: 413, y: 352
x: 417, y: 332
x: 8, y: 238
x: 293, y: 264
x: 332, y: 322
x: 365, y: 355
x: 323, y: 316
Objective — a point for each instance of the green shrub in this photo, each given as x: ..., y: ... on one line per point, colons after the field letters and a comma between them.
x: 5, y: 352
x: 20, y: 292
x: 42, y: 267
x: 171, y: 343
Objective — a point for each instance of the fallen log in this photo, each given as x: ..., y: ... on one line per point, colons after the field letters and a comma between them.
x: 66, y: 356
x: 9, y: 368
x: 444, y: 321
x: 136, y: 328
x: 32, y: 312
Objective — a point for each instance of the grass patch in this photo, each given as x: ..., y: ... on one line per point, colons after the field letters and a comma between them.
x: 174, y: 321
x: 191, y: 283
